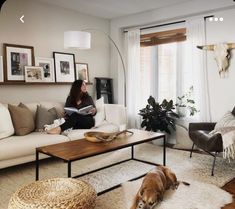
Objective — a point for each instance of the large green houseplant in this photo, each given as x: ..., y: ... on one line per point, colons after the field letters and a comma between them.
x: 158, y: 117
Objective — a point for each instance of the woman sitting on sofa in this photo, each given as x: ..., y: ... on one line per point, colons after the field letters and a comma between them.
x: 78, y: 98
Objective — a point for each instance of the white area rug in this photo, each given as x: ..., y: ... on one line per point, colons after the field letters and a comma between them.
x: 197, y: 168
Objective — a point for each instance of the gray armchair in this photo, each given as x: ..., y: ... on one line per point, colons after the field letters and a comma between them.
x: 199, y: 134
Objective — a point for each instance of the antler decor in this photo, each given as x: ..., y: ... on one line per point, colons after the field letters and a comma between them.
x: 221, y: 53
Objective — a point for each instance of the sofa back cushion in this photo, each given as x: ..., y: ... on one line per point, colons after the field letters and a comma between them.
x: 6, y: 126
x: 44, y: 116
x: 22, y: 118
x: 115, y: 114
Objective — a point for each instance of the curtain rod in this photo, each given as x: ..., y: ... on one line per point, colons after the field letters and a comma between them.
x: 166, y: 24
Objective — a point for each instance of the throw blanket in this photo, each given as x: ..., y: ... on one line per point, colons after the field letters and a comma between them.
x: 228, y: 136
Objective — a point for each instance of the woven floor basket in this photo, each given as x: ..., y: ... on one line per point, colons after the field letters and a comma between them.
x: 57, y: 193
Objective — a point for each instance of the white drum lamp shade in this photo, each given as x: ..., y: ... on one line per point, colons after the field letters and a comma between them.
x: 77, y: 39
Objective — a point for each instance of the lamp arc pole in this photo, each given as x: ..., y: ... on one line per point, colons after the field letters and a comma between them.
x: 119, y: 53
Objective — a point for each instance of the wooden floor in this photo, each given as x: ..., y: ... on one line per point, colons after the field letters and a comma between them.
x: 230, y: 187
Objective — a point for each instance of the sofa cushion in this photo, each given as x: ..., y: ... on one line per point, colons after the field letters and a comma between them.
x: 100, y: 115
x: 19, y: 146
x: 227, y: 120
x: 22, y: 118
x: 6, y: 126
x: 44, y: 116
x: 104, y: 127
x: 115, y: 114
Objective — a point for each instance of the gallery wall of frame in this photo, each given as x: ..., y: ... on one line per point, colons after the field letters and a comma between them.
x: 18, y: 66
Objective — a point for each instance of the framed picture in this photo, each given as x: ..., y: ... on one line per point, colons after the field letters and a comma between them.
x: 64, y: 66
x: 82, y: 71
x: 34, y: 74
x: 48, y: 68
x: 1, y: 70
x: 16, y: 57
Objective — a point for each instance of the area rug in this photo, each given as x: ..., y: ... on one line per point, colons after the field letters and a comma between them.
x: 196, y: 196
x: 197, y: 169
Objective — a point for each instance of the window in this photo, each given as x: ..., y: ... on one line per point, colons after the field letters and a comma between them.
x: 160, y: 57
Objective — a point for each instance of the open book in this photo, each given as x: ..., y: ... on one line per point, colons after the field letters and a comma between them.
x: 82, y: 111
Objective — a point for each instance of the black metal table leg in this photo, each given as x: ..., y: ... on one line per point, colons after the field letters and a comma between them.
x: 37, y: 165
x: 69, y: 169
x: 132, y: 152
x: 164, y: 150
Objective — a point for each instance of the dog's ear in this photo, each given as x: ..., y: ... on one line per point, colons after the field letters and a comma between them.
x: 141, y: 191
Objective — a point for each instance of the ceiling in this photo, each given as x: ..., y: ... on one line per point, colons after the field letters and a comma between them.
x: 113, y: 8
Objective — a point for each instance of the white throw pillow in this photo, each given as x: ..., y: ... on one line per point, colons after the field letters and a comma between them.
x: 100, y: 115
x: 6, y: 126
x: 227, y: 120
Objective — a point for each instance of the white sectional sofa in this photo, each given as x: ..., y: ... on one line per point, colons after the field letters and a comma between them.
x: 15, y: 150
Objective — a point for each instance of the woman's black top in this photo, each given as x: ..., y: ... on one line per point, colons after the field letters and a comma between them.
x: 84, y: 102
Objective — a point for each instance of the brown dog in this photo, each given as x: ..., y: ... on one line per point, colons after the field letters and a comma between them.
x: 153, y: 187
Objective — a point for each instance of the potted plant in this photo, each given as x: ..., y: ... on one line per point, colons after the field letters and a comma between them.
x: 186, y: 104
x: 158, y: 117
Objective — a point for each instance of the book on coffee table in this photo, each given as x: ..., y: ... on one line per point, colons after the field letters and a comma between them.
x: 82, y: 111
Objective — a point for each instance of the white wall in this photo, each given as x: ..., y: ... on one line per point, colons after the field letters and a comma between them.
x: 221, y: 93
x: 222, y: 90
x: 44, y: 28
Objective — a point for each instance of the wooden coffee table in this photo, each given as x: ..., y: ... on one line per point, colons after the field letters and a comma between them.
x: 81, y: 149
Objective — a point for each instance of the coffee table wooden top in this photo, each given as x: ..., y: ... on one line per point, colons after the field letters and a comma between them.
x: 79, y: 149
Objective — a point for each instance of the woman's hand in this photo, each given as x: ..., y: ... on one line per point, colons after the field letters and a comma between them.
x: 93, y: 111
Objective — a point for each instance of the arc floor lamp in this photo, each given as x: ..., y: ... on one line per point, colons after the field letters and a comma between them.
x: 82, y: 40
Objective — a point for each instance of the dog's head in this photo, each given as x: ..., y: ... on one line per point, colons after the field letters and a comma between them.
x: 149, y: 198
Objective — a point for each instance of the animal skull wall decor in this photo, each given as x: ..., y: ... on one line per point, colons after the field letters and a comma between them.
x: 221, y: 53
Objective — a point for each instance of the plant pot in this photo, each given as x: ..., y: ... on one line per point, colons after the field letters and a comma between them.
x: 182, y: 111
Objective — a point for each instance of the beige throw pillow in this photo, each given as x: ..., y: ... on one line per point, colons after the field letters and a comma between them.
x: 44, y: 117
x: 22, y: 119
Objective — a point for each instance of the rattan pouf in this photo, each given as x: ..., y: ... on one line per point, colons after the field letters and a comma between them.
x: 57, y: 193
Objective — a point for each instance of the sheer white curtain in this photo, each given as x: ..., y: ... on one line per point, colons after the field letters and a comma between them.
x: 196, y: 64
x: 133, y: 77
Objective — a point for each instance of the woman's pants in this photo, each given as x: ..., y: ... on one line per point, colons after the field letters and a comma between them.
x: 77, y: 121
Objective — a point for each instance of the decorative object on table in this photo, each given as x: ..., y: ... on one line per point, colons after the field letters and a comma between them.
x: 82, y: 72
x: 48, y: 68
x: 186, y: 104
x: 1, y: 70
x: 34, y: 74
x: 104, y: 88
x: 16, y: 57
x: 64, y: 66
x: 82, y: 40
x: 158, y: 117
x: 54, y: 193
x: 221, y: 53
x: 95, y: 136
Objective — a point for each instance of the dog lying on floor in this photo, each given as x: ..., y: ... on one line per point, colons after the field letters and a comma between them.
x: 153, y: 187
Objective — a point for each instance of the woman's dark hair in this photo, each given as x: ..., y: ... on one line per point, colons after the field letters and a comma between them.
x: 76, y: 94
